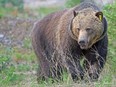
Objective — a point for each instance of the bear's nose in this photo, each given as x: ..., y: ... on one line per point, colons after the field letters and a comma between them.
x: 82, y: 42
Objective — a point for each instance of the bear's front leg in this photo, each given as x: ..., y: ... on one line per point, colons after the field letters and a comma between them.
x: 95, y: 58
x: 93, y: 69
x: 75, y: 69
x: 94, y: 64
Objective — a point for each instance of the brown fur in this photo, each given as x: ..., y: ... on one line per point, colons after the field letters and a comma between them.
x: 87, y: 19
x: 55, y: 40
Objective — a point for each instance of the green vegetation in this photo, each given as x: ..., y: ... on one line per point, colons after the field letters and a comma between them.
x: 10, y: 7
x: 45, y: 10
x: 71, y: 3
x: 18, y: 65
x: 10, y: 3
x: 15, y: 65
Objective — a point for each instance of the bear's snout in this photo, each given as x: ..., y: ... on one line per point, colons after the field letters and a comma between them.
x: 83, y: 44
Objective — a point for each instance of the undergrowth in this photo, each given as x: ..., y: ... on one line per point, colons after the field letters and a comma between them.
x: 18, y: 65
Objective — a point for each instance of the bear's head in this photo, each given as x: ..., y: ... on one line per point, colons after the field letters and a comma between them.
x: 87, y: 27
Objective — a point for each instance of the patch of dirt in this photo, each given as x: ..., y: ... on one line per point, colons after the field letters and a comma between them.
x: 15, y: 30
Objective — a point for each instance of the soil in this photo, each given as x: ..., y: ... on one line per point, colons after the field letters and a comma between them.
x: 14, y: 30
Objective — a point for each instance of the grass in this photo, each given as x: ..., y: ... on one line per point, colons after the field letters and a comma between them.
x: 27, y: 12
x: 18, y: 65
x: 47, y: 10
x: 15, y: 65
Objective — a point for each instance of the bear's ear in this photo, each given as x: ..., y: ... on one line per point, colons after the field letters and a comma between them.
x: 99, y: 15
x: 75, y: 13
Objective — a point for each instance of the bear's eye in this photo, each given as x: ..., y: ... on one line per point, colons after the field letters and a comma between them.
x: 78, y: 29
x: 88, y: 29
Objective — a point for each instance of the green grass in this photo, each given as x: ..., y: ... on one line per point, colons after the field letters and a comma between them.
x: 46, y: 10
x: 18, y: 65
x: 27, y: 13
x: 15, y: 65
x: 71, y: 3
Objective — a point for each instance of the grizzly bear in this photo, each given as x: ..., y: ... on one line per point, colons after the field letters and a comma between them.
x: 61, y: 39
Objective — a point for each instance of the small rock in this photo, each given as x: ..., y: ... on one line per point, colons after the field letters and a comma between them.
x: 1, y: 37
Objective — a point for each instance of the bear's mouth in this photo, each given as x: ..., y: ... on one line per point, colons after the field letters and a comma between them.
x: 86, y: 46
x: 83, y: 46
